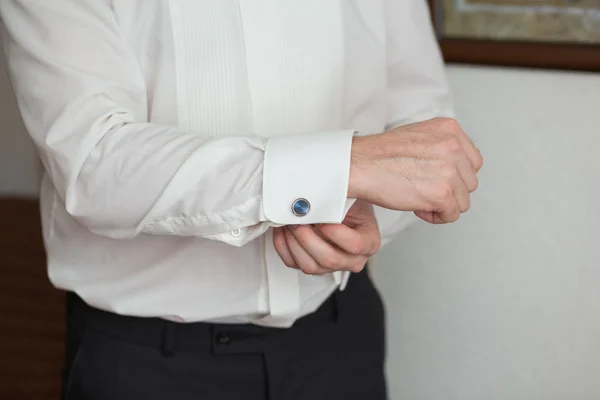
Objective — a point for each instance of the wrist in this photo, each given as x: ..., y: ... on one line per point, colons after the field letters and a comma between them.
x: 358, y: 165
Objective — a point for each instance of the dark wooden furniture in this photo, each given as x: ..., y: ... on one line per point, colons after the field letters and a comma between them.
x: 518, y: 54
x: 31, y: 310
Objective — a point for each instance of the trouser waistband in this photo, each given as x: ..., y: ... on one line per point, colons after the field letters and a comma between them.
x: 171, y: 337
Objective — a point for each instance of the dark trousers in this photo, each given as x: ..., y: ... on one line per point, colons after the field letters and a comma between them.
x: 335, y: 353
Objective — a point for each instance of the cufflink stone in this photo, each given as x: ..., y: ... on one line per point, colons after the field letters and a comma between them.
x: 301, y: 207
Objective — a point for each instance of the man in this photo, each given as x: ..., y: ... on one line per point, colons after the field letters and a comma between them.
x: 216, y: 170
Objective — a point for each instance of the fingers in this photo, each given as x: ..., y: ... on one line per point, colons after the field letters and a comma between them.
x: 307, y: 249
x: 325, y: 254
x: 467, y: 183
x: 351, y: 240
x: 427, y: 216
x: 462, y: 198
x: 468, y: 175
x: 464, y: 183
x: 452, y: 201
x: 471, y: 151
x: 302, y: 258
x: 445, y: 217
x: 436, y: 218
x: 449, y: 212
x: 459, y: 177
x: 282, y: 248
x: 442, y: 198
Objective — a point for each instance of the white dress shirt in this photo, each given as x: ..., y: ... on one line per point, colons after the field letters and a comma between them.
x: 176, y: 134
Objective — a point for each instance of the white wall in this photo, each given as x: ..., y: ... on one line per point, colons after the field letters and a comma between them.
x: 505, y: 304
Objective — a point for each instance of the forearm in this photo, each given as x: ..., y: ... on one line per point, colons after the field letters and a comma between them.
x: 84, y: 101
x: 153, y: 179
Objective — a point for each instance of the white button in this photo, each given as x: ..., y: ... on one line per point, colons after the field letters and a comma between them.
x: 236, y: 232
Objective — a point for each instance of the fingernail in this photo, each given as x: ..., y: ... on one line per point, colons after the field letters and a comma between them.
x: 292, y: 227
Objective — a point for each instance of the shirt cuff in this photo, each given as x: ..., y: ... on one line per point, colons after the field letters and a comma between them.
x: 305, y: 178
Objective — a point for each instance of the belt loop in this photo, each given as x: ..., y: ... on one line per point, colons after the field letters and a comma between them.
x: 168, y: 344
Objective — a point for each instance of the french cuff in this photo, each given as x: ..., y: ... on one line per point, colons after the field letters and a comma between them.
x: 305, y: 178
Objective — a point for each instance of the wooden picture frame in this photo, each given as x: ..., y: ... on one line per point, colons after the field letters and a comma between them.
x: 515, y: 53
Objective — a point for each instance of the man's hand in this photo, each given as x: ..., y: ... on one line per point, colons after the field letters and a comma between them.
x: 429, y: 168
x: 326, y: 248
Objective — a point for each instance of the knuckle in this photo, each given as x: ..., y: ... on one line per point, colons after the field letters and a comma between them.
x: 466, y: 205
x: 449, y: 171
x: 357, y: 248
x: 444, y: 193
x: 279, y: 241
x: 330, y: 261
x: 450, y: 146
x: 478, y: 162
x: 310, y: 269
x: 448, y: 124
x: 376, y: 246
x: 358, y: 267
x: 449, y: 216
x: 302, y: 236
x: 475, y: 184
x: 452, y: 218
x: 455, y: 216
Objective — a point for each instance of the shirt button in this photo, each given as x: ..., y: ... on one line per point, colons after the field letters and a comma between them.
x: 222, y: 339
x: 236, y: 232
x: 301, y: 207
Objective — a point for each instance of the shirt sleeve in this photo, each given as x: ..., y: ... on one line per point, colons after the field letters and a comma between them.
x: 417, y: 84
x: 83, y: 99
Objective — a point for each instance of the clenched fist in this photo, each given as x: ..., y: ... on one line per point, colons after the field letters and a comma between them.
x: 429, y: 168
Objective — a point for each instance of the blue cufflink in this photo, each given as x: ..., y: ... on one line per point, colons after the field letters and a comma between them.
x: 301, y: 207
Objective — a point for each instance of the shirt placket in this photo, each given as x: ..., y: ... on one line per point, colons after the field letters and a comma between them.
x: 262, y: 23
x: 282, y: 285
